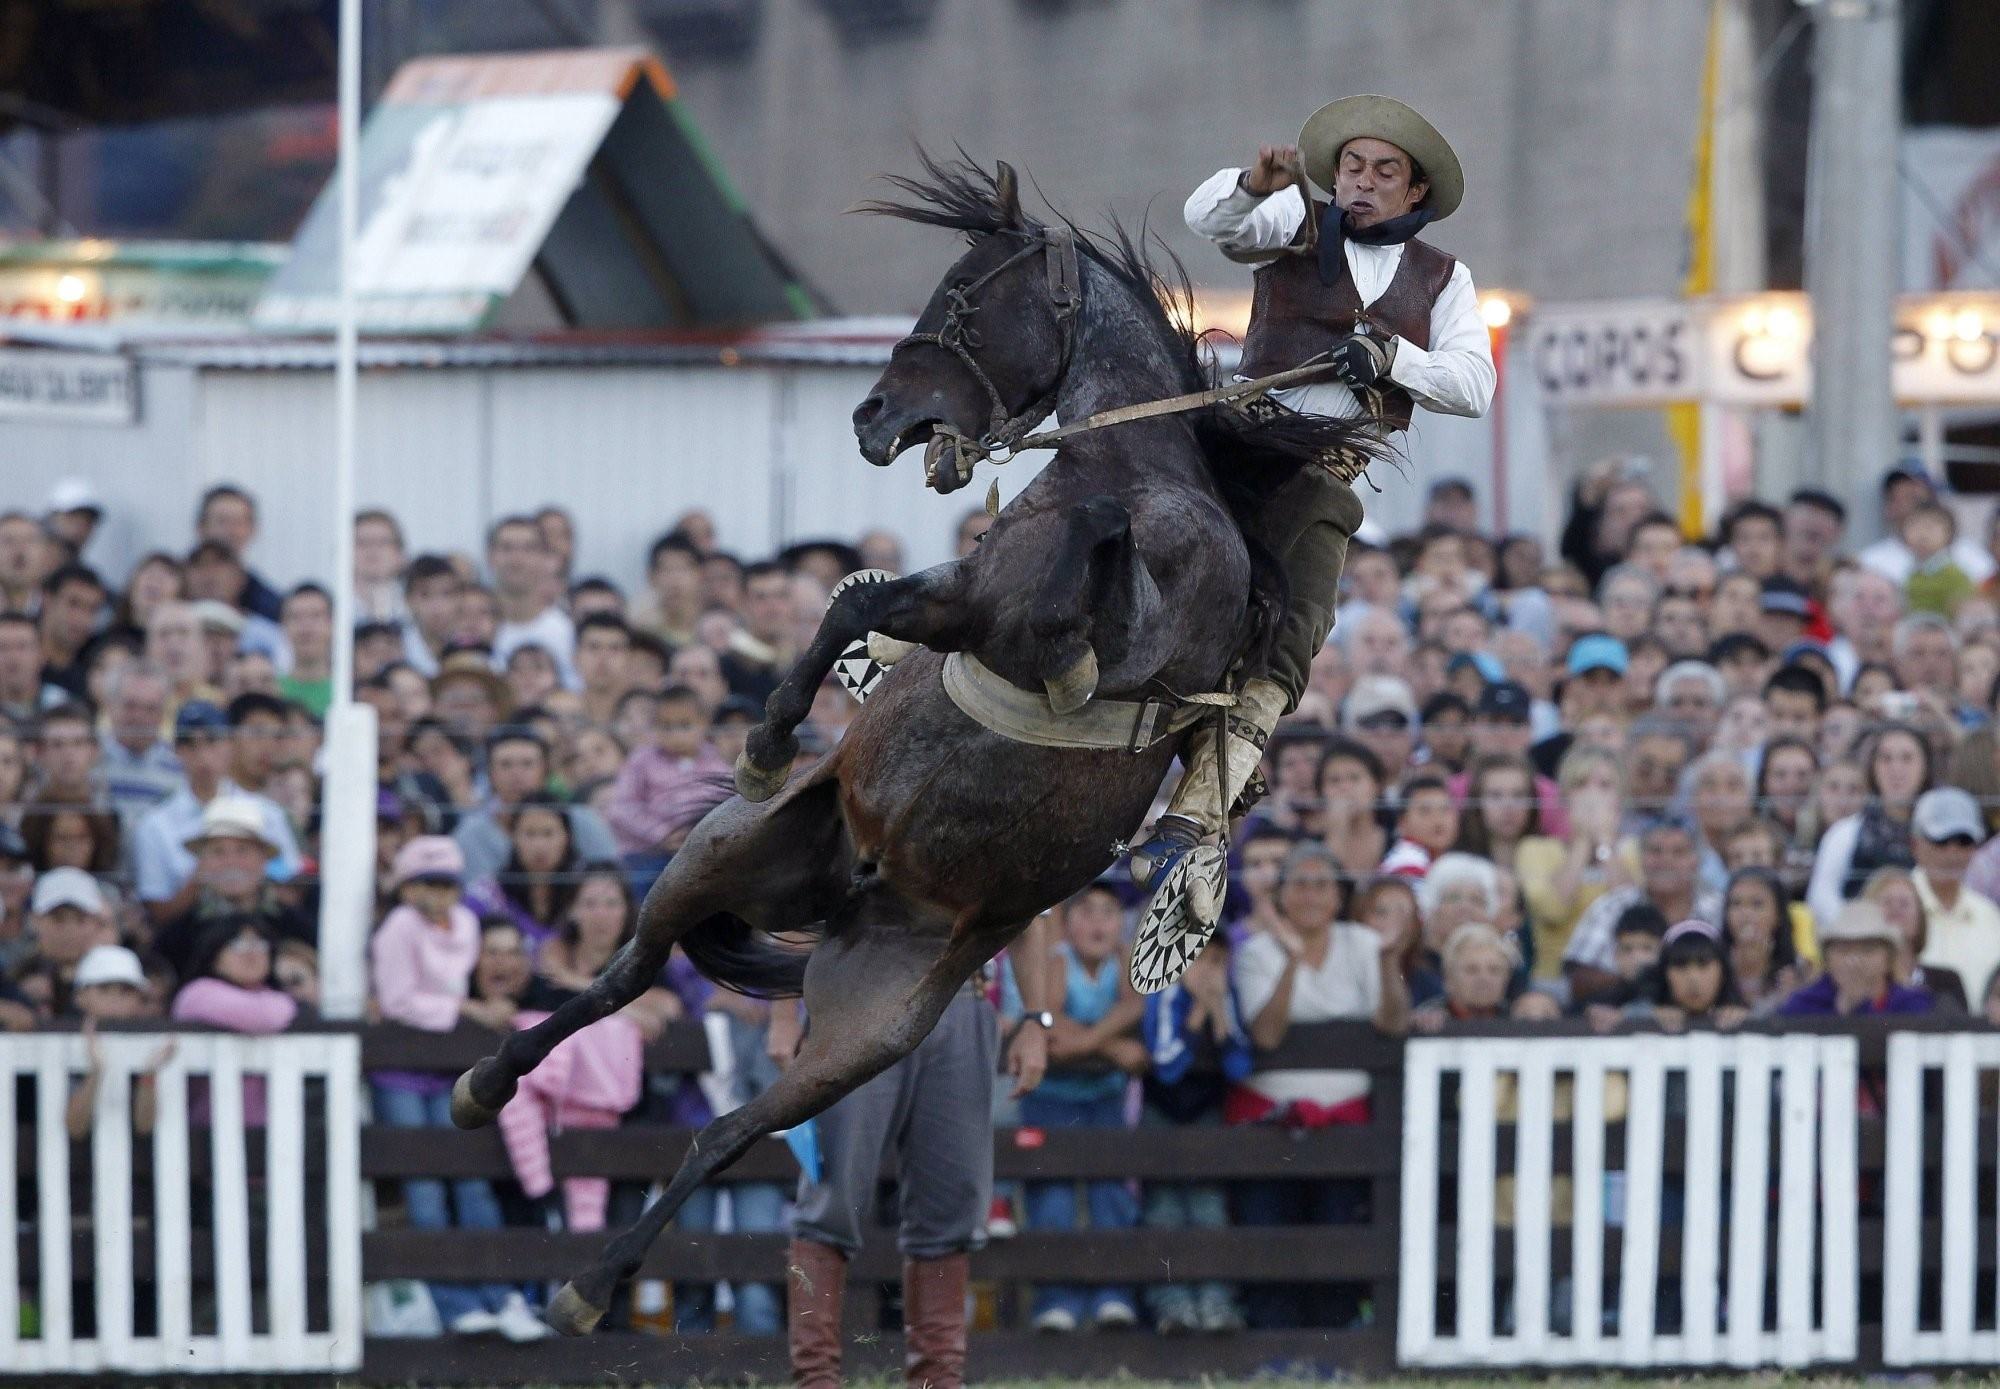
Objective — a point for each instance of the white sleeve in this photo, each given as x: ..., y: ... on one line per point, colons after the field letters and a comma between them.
x: 1238, y: 221
x: 1454, y: 375
x: 1824, y: 891
x: 1256, y: 967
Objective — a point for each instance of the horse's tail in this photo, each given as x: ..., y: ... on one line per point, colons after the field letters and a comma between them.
x: 729, y: 951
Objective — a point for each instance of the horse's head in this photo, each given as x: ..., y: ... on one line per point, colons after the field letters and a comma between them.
x: 986, y: 358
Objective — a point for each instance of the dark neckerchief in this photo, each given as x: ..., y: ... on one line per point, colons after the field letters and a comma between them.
x: 1333, y: 230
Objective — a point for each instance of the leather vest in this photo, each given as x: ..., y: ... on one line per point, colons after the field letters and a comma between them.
x: 1293, y: 316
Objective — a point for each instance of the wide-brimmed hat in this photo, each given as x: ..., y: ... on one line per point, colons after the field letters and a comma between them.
x: 473, y: 663
x: 1328, y: 129
x: 1859, y: 922
x: 232, y: 817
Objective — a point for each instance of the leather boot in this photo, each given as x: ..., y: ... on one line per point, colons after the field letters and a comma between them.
x: 815, y: 1288
x: 1208, y: 784
x: 934, y: 1321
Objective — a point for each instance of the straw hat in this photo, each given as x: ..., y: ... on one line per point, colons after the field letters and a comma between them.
x: 1382, y: 118
x: 232, y: 817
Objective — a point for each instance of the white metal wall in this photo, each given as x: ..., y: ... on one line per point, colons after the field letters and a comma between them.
x: 768, y: 450
x: 1739, y: 1082
x: 49, y: 1065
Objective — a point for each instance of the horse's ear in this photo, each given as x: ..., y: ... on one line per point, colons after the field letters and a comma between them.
x: 1007, y: 192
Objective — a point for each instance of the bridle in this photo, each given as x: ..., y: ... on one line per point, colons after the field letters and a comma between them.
x: 957, y: 335
x: 1007, y: 432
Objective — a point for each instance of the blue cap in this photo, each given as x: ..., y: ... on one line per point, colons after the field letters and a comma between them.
x: 1597, y: 651
x: 199, y: 716
x: 1804, y: 647
x: 1488, y: 665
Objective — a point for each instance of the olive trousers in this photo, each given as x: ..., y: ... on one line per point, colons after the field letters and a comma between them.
x: 1306, y: 524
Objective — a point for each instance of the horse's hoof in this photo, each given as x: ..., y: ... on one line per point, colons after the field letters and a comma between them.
x: 467, y: 1111
x: 1072, y: 689
x: 888, y: 650
x: 570, y: 1313
x: 756, y: 785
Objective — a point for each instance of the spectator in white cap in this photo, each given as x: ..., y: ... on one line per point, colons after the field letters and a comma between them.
x: 1381, y: 714
x: 163, y: 865
x: 111, y: 986
x: 1964, y: 937
x: 68, y: 915
x: 73, y: 512
x: 233, y: 856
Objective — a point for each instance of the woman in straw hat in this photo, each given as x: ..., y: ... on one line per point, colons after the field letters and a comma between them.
x: 1346, y: 283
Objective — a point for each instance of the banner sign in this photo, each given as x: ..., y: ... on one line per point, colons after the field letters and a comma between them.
x: 67, y: 387
x: 1951, y: 208
x: 1752, y: 350
x: 1630, y: 352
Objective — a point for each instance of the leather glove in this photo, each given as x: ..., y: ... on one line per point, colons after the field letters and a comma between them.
x: 1361, y: 360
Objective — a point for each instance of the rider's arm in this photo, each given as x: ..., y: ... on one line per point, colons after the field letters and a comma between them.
x: 1238, y: 221
x: 1454, y: 376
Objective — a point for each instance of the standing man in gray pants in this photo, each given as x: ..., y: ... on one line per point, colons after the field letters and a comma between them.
x: 935, y: 1107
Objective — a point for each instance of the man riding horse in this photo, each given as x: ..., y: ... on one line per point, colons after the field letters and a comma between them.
x: 1398, y: 325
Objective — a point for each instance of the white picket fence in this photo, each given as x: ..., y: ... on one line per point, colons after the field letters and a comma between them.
x: 1918, y: 1062
x: 201, y: 1324
x: 1735, y: 1084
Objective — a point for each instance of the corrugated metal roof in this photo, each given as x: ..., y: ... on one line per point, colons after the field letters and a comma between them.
x: 833, y: 342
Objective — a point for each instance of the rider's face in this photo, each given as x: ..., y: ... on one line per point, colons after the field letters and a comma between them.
x: 1373, y: 182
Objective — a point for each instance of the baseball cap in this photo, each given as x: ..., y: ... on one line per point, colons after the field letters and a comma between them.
x: 1506, y: 699
x: 67, y: 887
x: 213, y: 612
x: 1597, y: 651
x: 74, y: 494
x: 1859, y: 920
x: 199, y: 716
x: 109, y: 964
x: 1375, y: 695
x: 1907, y: 472
x: 1786, y: 596
x: 1948, y: 813
x: 1487, y: 664
x: 429, y: 858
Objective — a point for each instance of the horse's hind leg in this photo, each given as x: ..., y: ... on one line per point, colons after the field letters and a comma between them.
x: 926, y: 609
x: 751, y: 861
x: 873, y: 992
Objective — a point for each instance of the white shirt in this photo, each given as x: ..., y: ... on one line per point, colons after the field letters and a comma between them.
x: 1893, y: 560
x: 1965, y: 939
x: 1454, y: 376
x: 1348, y: 984
x: 550, y: 629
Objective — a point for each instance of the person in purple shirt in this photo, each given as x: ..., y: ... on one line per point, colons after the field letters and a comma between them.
x: 1859, y: 946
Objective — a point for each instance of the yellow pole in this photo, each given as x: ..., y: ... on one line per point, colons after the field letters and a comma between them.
x: 1684, y: 419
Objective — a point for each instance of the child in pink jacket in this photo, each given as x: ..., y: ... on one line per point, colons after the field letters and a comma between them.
x: 232, y: 989
x: 588, y: 1082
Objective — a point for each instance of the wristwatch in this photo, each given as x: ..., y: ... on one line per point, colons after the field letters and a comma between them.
x: 1045, y: 1018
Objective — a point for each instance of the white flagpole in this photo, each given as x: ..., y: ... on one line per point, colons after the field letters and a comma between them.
x: 347, y: 805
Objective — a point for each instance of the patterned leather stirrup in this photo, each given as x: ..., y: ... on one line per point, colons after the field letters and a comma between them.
x: 1172, y: 932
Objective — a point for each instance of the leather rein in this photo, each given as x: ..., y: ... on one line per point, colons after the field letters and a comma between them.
x: 1007, y: 431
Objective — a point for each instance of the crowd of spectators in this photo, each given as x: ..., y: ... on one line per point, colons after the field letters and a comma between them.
x: 1645, y: 781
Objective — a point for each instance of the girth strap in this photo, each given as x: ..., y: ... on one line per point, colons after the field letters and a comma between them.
x: 1119, y: 725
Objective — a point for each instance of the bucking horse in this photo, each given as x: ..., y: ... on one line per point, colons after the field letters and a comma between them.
x: 1103, y: 618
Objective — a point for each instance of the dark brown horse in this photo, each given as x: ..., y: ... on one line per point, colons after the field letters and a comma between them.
x: 919, y: 847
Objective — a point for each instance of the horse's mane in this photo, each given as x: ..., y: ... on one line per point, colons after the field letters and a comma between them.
x: 1248, y: 459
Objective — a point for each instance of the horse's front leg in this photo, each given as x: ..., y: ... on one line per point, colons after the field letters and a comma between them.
x: 927, y: 609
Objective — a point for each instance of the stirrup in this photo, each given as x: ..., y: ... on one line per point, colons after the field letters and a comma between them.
x: 1153, y: 857
x: 1172, y: 932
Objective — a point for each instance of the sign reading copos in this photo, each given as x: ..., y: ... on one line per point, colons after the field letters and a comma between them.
x: 1635, y: 352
